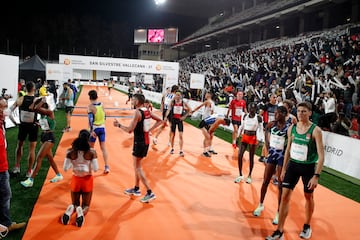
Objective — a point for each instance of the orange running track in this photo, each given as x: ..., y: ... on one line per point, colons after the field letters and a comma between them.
x: 196, y: 196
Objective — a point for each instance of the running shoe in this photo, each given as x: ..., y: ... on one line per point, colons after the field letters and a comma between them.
x: 132, y: 191
x: 107, y: 169
x: 169, y: 144
x: 234, y: 145
x: 148, y: 198
x: 275, y: 181
x: 67, y: 129
x: 27, y: 183
x: 16, y: 170
x: 277, y: 235
x: 172, y: 151
x: 212, y: 151
x: 306, y: 232
x: 57, y: 178
x: 239, y: 179
x: 28, y: 174
x: 3, y: 231
x: 262, y: 159
x: 79, y: 217
x: 258, y: 210
x: 276, y: 219
x: 66, y: 217
x: 154, y: 141
x: 248, y: 180
x: 181, y: 154
x: 206, y: 154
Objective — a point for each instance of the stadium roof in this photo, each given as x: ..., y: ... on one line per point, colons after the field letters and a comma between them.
x: 199, y: 8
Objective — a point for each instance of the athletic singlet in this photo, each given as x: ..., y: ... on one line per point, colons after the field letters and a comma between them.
x: 26, y: 115
x: 81, y: 166
x: 167, y: 100
x: 211, y: 119
x: 141, y: 131
x: 46, y: 123
x: 208, y: 110
x: 278, y: 141
x: 69, y: 102
x: 178, y: 109
x: 237, y: 109
x: 250, y: 124
x: 99, y: 118
x: 303, y: 147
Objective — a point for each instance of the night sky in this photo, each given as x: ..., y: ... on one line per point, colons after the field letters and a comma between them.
x: 103, y: 28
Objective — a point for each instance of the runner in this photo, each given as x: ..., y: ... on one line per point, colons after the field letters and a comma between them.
x: 304, y: 157
x: 28, y: 127
x: 176, y: 109
x: 249, y: 125
x: 130, y: 94
x: 47, y: 124
x: 276, y: 140
x: 96, y: 116
x: 238, y: 108
x: 83, y: 160
x: 209, y: 106
x: 140, y: 125
x: 165, y: 102
x: 208, y: 127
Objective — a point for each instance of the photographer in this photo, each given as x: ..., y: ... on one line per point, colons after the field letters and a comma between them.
x: 4, y: 95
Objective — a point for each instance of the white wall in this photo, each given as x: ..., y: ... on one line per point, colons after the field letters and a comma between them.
x: 9, y: 74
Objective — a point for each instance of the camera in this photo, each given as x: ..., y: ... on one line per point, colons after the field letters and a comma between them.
x: 4, y: 95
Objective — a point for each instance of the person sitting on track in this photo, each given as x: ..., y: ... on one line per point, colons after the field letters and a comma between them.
x: 83, y: 160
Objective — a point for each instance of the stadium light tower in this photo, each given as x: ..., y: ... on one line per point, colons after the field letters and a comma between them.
x: 159, y: 2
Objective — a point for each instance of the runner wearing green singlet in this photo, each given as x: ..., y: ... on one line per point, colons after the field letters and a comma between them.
x: 304, y: 157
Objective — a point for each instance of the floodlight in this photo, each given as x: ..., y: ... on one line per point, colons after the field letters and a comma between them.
x: 159, y: 2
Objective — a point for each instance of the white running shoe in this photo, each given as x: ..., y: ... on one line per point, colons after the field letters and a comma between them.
x: 28, y: 174
x: 248, y: 180
x: 16, y: 170
x: 154, y: 141
x: 27, y: 183
x: 79, y: 217
x: 66, y: 217
x: 306, y: 232
x: 276, y: 219
x: 258, y: 210
x: 239, y: 179
x: 57, y: 178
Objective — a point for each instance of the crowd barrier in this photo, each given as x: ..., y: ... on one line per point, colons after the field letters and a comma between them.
x: 341, y: 152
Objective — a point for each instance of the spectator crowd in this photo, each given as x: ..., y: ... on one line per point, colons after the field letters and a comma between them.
x: 320, y: 67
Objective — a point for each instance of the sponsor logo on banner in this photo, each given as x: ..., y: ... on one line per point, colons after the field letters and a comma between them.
x: 67, y: 61
x: 333, y: 150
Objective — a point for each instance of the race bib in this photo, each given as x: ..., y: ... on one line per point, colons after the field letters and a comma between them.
x: 147, y: 123
x: 44, y: 124
x: 27, y: 117
x: 277, y: 142
x: 271, y: 117
x: 238, y: 112
x: 80, y: 168
x: 178, y: 109
x: 299, y: 152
